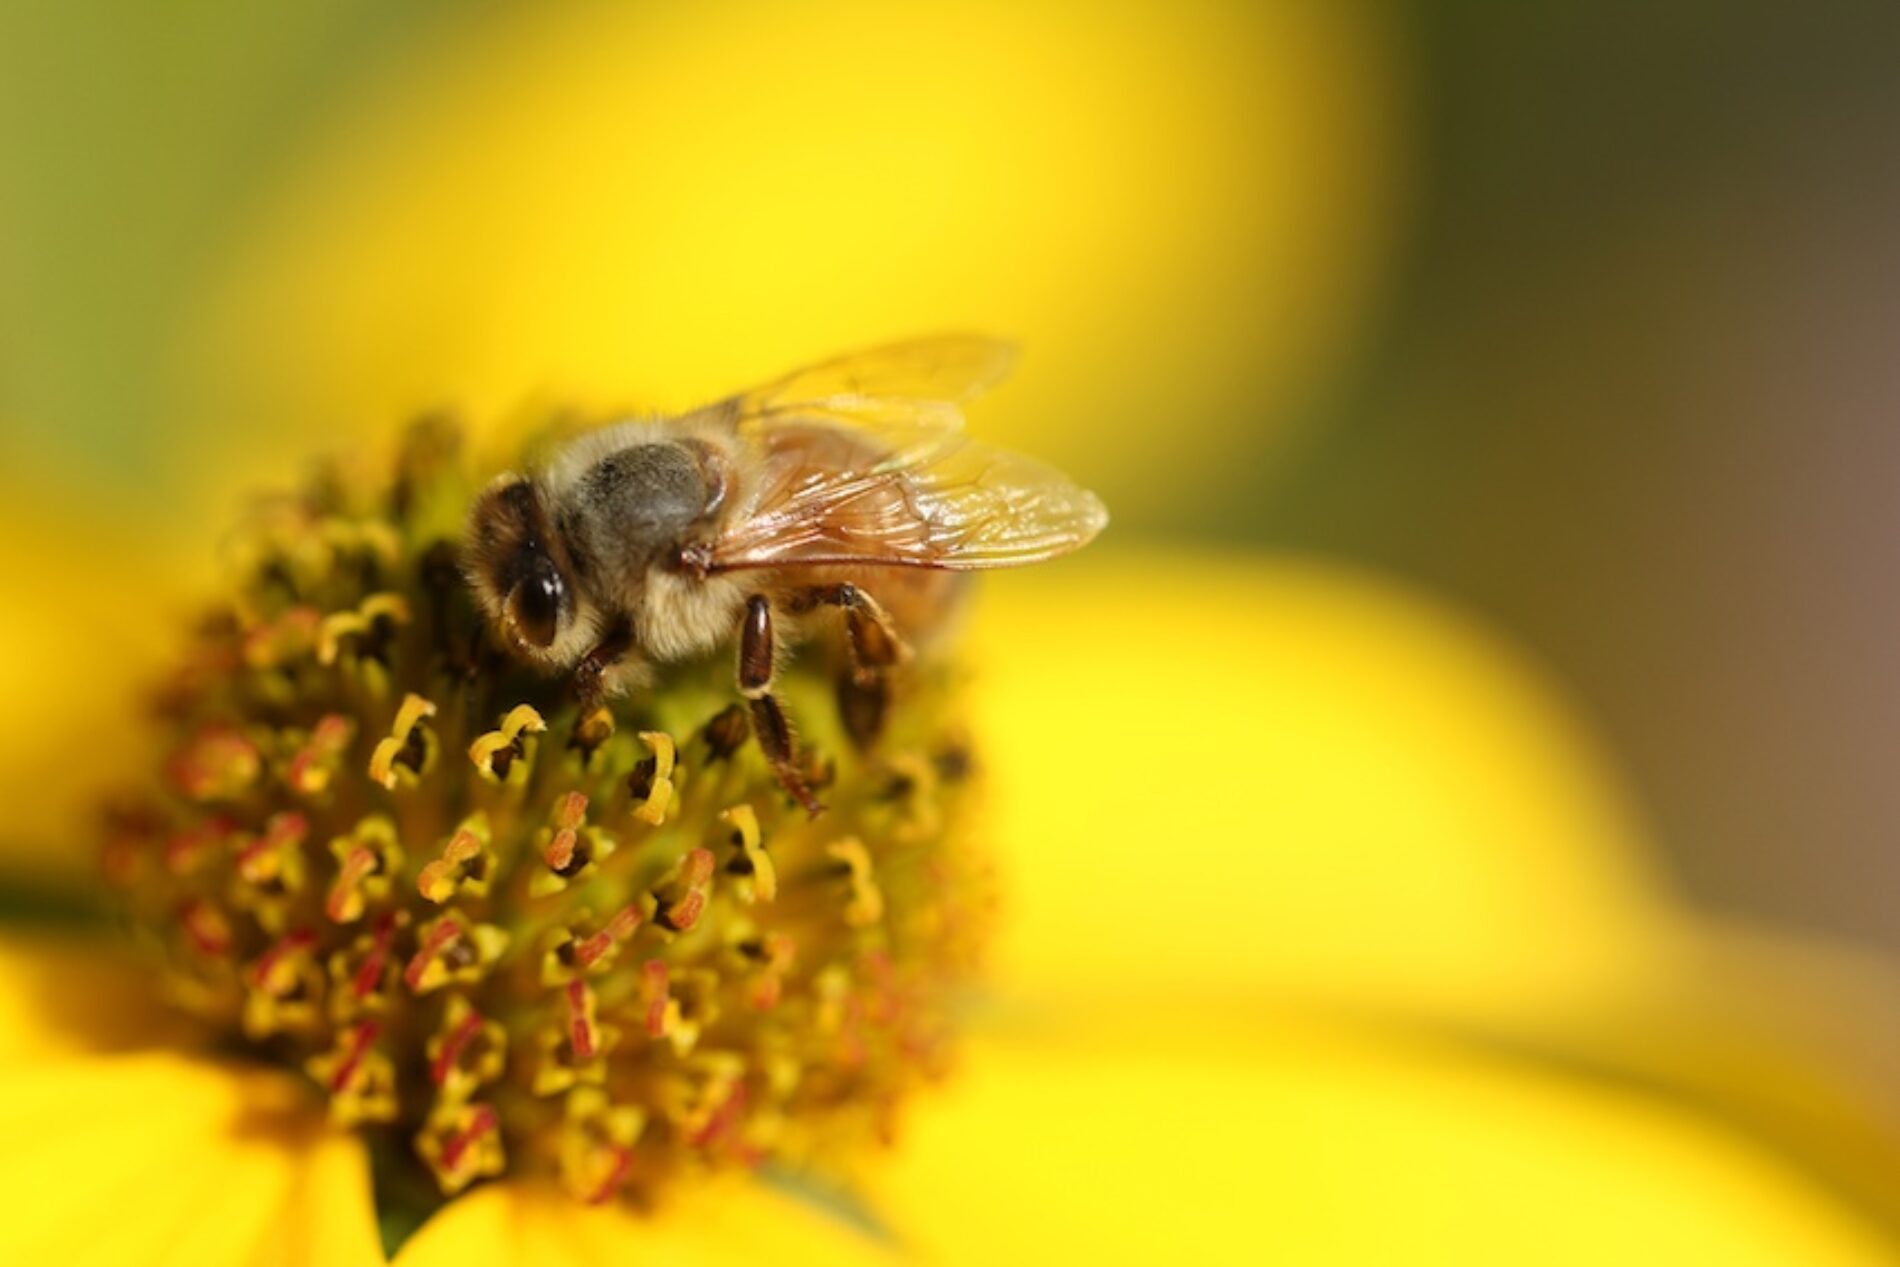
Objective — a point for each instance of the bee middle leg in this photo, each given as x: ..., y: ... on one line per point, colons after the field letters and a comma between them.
x: 758, y: 667
x: 863, y: 692
x: 875, y: 644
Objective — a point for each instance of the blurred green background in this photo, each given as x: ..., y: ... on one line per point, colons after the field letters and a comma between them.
x: 1576, y: 312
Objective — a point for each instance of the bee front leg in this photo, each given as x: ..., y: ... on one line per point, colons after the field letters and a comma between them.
x: 590, y: 674
x: 758, y: 666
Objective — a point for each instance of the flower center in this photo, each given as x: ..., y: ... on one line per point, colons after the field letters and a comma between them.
x: 602, y: 945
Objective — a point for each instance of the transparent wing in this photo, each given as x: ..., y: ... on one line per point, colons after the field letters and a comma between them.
x: 830, y: 495
x: 919, y: 384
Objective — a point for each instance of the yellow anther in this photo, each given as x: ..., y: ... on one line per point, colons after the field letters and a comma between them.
x: 270, y: 870
x: 751, y: 861
x: 402, y: 756
x: 367, y: 860
x: 219, y: 763
x: 286, y: 987
x: 360, y: 1079
x: 468, y: 1051
x: 597, y: 1139
x: 865, y: 905
x: 365, y: 535
x: 464, y: 866
x: 570, y: 954
x: 451, y: 950
x: 573, y: 1049
x: 461, y: 1143
x: 363, y: 973
x: 679, y: 899
x: 286, y: 637
x: 568, y: 847
x: 488, y: 749
x: 659, y: 794
x: 312, y: 767
x: 349, y: 624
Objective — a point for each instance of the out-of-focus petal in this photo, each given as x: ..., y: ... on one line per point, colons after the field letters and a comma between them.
x: 327, y: 1221
x: 654, y: 205
x: 1217, y: 779
x: 165, y: 1159
x: 62, y: 995
x: 741, y: 1222
x: 87, y: 612
x: 1306, y: 1147
x: 119, y: 1155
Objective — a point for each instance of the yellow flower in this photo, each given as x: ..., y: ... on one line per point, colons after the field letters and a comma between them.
x: 1328, y: 934
x: 1242, y: 880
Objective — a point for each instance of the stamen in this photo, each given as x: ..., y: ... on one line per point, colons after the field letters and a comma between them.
x: 285, y: 640
x: 660, y: 1008
x: 362, y: 973
x: 751, y: 860
x: 462, y: 1144
x: 313, y: 766
x: 658, y: 793
x: 187, y: 850
x: 497, y: 754
x: 450, y: 952
x: 681, y: 896
x: 580, y: 1020
x: 596, y: 951
x: 285, y: 987
x: 574, y: 1050
x: 865, y: 906
x: 206, y: 927
x: 354, y: 624
x: 465, y: 865
x: 368, y: 860
x: 218, y: 764
x: 597, y: 1139
x: 409, y: 749
x: 467, y: 1052
x: 274, y: 971
x: 357, y: 1043
x: 558, y: 852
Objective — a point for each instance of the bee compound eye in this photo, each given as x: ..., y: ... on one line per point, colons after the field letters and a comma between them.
x: 536, y: 607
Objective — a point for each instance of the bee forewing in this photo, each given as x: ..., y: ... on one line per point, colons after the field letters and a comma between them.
x: 938, y: 502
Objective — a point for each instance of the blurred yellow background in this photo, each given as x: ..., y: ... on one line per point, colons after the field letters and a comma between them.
x: 1482, y: 689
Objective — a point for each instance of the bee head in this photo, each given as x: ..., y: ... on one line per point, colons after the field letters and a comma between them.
x: 516, y: 565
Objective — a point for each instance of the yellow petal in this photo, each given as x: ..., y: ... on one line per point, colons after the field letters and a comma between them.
x: 329, y: 1221
x: 166, y: 1159
x: 1317, y: 1148
x: 658, y: 205
x: 85, y: 623
x: 150, y: 1156
x: 737, y: 1222
x: 1230, y: 777
x: 68, y: 994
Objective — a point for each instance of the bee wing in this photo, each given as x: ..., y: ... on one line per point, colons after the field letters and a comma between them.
x: 918, y: 384
x: 830, y: 495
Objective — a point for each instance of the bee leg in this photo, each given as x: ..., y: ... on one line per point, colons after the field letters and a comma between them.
x: 862, y: 707
x: 590, y: 673
x: 875, y: 645
x: 758, y: 657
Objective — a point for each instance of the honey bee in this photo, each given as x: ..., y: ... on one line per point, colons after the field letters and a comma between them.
x: 848, y: 486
